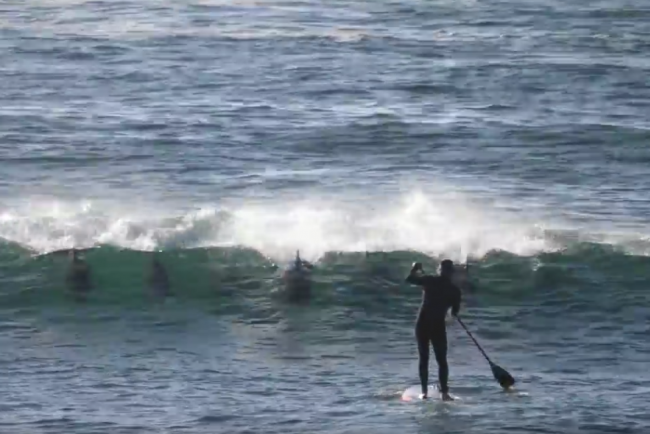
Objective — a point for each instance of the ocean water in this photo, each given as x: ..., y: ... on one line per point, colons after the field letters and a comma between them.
x: 510, y: 135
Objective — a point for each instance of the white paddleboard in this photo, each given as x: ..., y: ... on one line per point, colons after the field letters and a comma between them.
x: 413, y: 394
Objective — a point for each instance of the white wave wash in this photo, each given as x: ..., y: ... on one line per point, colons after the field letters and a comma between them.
x: 416, y: 222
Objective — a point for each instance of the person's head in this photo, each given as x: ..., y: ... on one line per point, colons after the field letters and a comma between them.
x: 446, y: 268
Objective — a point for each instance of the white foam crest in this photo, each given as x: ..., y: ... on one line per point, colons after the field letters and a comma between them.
x: 418, y: 223
x: 450, y: 227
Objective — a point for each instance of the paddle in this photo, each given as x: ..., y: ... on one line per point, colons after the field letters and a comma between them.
x: 501, y: 375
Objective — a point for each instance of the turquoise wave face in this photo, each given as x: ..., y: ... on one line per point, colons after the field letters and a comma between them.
x: 583, y: 277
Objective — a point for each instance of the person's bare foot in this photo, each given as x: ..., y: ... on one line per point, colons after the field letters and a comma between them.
x: 447, y: 397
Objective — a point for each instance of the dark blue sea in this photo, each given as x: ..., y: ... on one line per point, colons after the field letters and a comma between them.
x: 510, y: 135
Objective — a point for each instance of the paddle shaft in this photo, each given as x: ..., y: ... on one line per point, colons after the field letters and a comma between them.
x: 467, y: 330
x: 475, y: 342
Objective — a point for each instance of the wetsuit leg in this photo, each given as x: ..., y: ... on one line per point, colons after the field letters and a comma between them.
x: 439, y: 343
x: 423, y: 339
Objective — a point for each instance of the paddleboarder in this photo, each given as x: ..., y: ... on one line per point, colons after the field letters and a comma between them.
x: 439, y: 294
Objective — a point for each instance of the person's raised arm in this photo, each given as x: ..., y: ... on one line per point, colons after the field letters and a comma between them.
x: 414, y: 278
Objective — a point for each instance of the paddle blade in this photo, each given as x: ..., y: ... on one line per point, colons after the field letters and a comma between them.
x: 502, y: 376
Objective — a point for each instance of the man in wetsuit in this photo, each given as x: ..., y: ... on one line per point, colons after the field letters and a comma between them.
x: 439, y: 294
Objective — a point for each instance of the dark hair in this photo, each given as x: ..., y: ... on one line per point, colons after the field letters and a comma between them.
x: 447, y: 265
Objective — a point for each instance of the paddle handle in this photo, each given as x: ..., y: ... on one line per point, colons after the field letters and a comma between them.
x: 460, y: 321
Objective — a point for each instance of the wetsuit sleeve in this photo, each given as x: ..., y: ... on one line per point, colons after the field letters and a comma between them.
x: 455, y: 301
x: 415, y: 279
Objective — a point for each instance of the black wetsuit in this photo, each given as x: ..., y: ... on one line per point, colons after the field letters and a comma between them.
x: 439, y: 294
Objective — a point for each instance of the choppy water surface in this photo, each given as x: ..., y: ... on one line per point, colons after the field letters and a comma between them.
x: 511, y: 135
